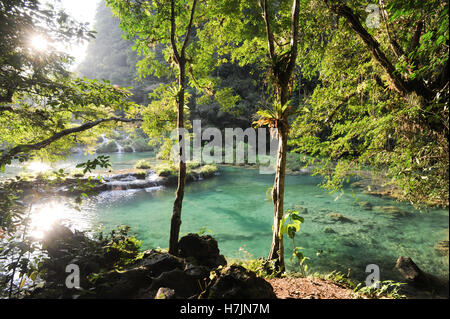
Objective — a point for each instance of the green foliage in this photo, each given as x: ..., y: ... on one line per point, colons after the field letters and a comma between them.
x: 340, y: 278
x: 89, y: 166
x: 387, y: 288
x: 207, y: 170
x: 290, y: 226
x: 204, y: 231
x: 356, y: 118
x: 263, y: 267
x: 142, y: 164
x: 119, y: 247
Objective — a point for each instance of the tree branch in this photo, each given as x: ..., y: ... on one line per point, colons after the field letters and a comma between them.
x: 7, y: 155
x: 294, y: 35
x: 189, y: 28
x: 394, y: 45
x: 403, y: 86
x: 173, y: 32
x: 269, y: 33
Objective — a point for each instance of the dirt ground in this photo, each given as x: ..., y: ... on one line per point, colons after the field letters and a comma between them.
x: 309, y: 288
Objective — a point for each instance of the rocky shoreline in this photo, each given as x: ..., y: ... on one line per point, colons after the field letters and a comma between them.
x: 113, y: 180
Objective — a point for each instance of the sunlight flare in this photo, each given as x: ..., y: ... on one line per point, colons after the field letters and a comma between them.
x: 38, y: 167
x: 39, y: 43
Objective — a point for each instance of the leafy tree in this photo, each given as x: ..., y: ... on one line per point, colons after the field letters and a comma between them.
x: 44, y: 110
x: 171, y: 24
x: 382, y: 98
x: 267, y: 33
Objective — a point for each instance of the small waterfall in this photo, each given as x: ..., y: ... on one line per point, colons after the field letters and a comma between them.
x: 119, y: 147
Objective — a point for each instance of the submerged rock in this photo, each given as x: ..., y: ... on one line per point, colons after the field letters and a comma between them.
x: 339, y: 218
x: 236, y: 282
x: 391, y: 210
x: 365, y: 205
x: 329, y: 230
x: 441, y: 247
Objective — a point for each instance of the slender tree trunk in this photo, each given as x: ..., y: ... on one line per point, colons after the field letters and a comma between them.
x: 277, y: 248
x: 177, y: 205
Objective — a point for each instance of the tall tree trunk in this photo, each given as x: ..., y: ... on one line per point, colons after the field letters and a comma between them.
x: 177, y: 205
x: 277, y: 248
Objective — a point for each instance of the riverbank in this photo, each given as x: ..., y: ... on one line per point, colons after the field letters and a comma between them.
x: 62, y: 183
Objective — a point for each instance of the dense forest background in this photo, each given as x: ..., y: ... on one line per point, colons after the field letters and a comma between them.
x: 111, y: 57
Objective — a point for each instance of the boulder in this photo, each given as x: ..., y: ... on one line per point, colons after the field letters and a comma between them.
x: 236, y: 282
x: 158, y: 262
x: 203, y: 249
x: 122, y: 284
x: 184, y: 284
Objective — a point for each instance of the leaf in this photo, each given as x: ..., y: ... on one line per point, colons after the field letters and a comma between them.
x: 22, y: 283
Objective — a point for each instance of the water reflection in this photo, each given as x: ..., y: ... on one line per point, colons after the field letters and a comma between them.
x: 46, y: 213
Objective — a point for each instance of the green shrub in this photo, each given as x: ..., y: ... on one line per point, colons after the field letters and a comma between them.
x: 207, y: 170
x: 166, y: 170
x: 142, y: 164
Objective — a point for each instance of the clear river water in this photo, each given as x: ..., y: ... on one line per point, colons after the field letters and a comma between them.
x: 233, y: 206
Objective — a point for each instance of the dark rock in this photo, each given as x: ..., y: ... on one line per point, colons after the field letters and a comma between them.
x: 236, y: 282
x: 203, y: 249
x: 410, y: 271
x: 183, y: 283
x: 157, y: 262
x: 123, y: 284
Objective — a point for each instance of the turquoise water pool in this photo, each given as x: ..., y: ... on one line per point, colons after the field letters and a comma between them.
x: 234, y: 207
